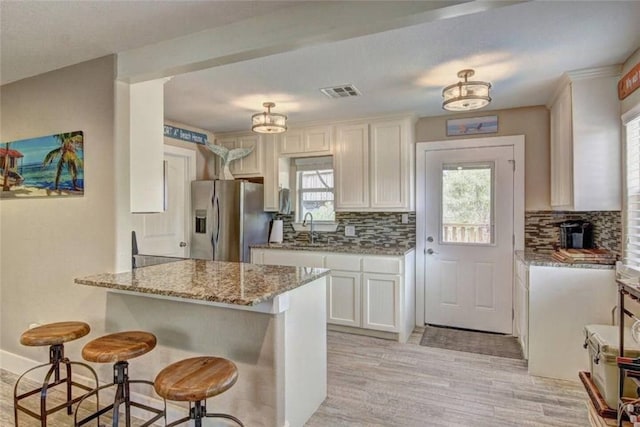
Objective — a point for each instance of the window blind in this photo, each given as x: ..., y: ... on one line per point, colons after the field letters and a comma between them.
x: 632, y: 194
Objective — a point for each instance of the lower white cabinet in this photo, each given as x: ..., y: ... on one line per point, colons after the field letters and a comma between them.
x: 381, y: 302
x: 552, y: 312
x: 344, y: 298
x: 364, y: 291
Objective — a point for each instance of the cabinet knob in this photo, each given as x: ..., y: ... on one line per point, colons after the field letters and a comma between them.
x: 183, y: 244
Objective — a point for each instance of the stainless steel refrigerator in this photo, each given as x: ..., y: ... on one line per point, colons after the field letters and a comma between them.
x: 227, y: 217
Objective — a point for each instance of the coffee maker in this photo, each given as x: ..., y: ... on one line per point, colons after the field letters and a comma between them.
x: 576, y: 234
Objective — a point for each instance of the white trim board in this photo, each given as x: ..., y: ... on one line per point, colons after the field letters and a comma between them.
x: 517, y: 141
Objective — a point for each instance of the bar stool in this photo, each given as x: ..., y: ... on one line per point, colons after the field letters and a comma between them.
x: 194, y: 380
x: 117, y: 349
x: 53, y: 335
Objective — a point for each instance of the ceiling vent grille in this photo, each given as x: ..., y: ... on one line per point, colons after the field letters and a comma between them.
x: 344, y: 91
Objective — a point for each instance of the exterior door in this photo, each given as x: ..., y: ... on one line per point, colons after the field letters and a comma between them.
x: 469, y: 237
x: 167, y: 233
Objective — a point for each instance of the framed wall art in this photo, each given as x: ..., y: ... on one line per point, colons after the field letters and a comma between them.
x: 46, y: 166
x: 472, y: 125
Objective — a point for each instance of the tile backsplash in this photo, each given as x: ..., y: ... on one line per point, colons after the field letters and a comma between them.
x: 541, y: 233
x: 372, y: 229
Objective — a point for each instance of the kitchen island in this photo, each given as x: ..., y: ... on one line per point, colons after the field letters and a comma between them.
x: 269, y: 320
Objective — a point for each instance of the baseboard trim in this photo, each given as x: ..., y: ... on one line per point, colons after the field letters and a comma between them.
x: 366, y: 332
x: 17, y: 364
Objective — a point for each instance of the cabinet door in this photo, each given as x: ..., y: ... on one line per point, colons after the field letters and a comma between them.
x: 252, y: 164
x: 352, y: 167
x: 317, y: 140
x: 381, y: 302
x: 271, y: 173
x: 524, y: 317
x: 343, y: 298
x: 390, y: 166
x: 562, y: 151
x: 257, y: 256
x: 291, y: 142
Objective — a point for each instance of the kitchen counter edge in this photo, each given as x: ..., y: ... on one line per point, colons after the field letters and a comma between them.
x: 346, y: 249
x: 546, y: 260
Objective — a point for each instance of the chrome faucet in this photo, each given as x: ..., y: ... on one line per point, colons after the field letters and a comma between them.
x: 304, y: 224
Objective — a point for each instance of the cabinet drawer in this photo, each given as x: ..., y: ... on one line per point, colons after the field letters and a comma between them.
x: 294, y: 259
x: 344, y: 262
x: 386, y: 265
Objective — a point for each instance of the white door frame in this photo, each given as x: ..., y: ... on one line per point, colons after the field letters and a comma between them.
x: 517, y: 142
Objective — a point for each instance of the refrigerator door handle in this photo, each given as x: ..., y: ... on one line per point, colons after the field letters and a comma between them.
x: 217, y: 203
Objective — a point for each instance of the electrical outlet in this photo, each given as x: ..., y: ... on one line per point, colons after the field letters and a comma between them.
x: 405, y: 218
x: 349, y: 230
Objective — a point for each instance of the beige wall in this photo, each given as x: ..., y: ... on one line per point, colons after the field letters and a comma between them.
x: 205, y: 159
x: 532, y: 122
x: 633, y: 99
x: 46, y: 243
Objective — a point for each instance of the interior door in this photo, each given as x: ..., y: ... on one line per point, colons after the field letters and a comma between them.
x: 469, y: 238
x: 167, y: 233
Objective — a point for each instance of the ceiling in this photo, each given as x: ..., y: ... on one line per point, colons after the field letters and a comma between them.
x: 522, y: 49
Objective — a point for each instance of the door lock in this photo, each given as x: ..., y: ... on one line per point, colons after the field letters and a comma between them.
x: 183, y: 244
x: 429, y: 239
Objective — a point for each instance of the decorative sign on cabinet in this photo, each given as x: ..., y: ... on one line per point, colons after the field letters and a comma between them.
x: 585, y: 142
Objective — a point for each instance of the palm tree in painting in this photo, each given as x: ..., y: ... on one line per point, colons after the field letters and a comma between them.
x: 70, y: 143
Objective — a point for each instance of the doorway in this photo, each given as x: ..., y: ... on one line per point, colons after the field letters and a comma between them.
x: 167, y: 233
x: 470, y: 220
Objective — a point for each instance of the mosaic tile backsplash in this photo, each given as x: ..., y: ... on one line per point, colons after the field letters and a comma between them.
x: 372, y: 229
x: 541, y: 234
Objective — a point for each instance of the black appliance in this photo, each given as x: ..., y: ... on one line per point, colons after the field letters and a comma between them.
x: 576, y: 234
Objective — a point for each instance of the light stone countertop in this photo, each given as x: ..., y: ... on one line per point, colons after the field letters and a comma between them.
x: 341, y: 248
x: 546, y: 260
x: 213, y: 281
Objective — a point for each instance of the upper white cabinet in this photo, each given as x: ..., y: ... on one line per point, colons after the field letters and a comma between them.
x: 585, y: 142
x: 351, y: 163
x: 311, y: 141
x: 249, y: 166
x: 374, y: 166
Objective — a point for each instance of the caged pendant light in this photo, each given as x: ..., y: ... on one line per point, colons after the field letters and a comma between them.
x: 268, y: 122
x: 466, y: 95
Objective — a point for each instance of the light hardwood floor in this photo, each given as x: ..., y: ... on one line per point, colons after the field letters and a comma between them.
x: 375, y: 382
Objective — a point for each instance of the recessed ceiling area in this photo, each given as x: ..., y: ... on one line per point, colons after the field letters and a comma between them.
x: 522, y: 49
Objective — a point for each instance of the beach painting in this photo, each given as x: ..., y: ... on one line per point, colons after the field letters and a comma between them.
x: 472, y: 125
x: 47, y: 166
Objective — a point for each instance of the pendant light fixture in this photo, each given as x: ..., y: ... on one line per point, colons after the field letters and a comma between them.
x: 268, y: 122
x: 466, y: 95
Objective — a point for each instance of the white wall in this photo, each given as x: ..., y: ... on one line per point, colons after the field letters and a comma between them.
x: 532, y: 122
x: 46, y: 243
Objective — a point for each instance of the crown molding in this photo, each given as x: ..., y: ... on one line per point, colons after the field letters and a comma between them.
x: 586, y: 73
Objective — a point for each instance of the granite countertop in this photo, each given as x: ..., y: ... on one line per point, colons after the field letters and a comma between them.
x: 546, y: 260
x: 341, y: 248
x: 213, y: 281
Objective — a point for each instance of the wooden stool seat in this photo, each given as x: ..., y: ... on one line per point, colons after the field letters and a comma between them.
x: 196, y: 379
x: 119, y: 347
x: 54, y: 333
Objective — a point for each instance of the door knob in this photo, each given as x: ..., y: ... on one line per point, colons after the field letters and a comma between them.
x: 183, y: 244
x: 430, y: 251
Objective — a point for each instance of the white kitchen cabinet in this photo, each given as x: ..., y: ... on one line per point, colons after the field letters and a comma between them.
x: 374, y: 166
x: 391, y: 165
x: 343, y: 298
x: 585, y: 142
x: 381, y: 302
x: 370, y: 292
x: 311, y: 141
x: 562, y: 300
x: 276, y: 173
x: 351, y: 163
x: 251, y: 165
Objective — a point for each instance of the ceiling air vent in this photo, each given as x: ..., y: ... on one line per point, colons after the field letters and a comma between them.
x: 343, y: 91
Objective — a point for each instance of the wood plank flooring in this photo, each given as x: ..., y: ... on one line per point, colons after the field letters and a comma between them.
x: 375, y: 382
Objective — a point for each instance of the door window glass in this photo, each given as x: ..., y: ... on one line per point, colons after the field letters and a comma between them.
x: 467, y: 203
